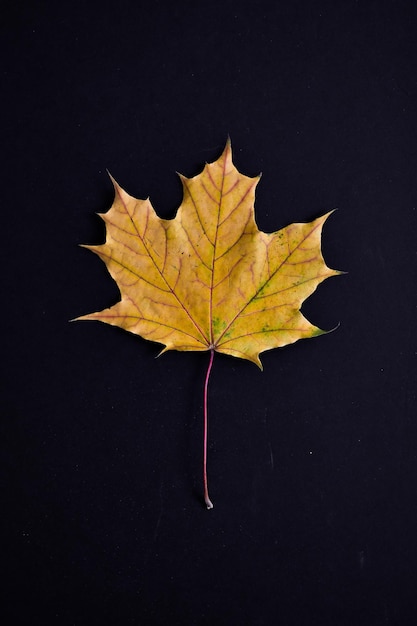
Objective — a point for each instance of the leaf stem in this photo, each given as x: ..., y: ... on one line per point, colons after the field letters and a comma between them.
x: 207, y: 500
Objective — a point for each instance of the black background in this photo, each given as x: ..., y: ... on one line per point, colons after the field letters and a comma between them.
x: 313, y: 462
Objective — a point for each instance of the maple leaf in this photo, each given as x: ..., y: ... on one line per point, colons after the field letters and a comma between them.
x: 209, y: 279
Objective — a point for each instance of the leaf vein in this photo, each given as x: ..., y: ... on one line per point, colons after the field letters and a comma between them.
x: 263, y: 285
x: 162, y: 275
x: 196, y: 212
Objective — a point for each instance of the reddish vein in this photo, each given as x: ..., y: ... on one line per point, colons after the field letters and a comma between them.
x: 270, y: 277
x: 207, y: 500
x: 171, y: 289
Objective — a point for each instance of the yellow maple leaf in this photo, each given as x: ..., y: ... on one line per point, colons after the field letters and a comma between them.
x: 209, y: 279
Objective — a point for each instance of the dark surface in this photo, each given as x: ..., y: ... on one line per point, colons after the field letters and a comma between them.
x: 313, y: 463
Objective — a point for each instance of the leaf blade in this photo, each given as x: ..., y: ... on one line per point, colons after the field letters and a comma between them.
x: 209, y: 278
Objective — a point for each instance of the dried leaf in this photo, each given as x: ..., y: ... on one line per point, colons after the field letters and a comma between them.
x: 209, y: 279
